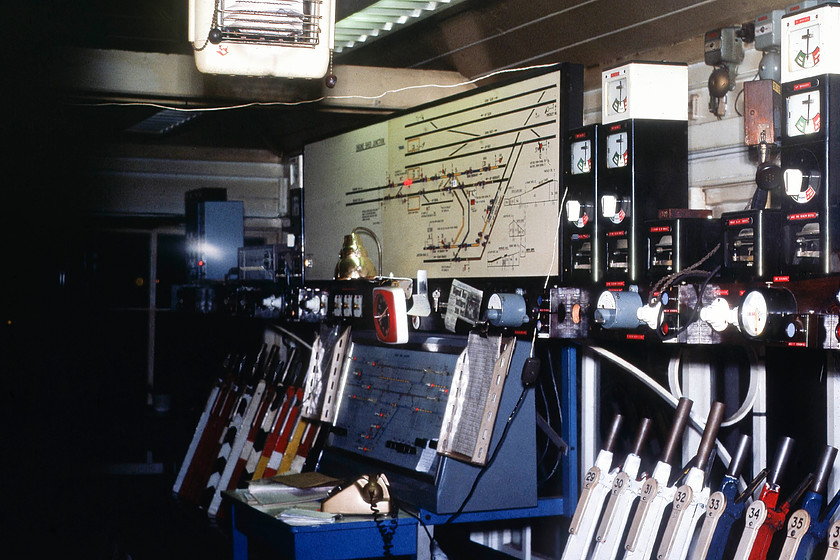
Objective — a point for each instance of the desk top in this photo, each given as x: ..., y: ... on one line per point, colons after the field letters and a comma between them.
x: 345, y: 538
x: 352, y: 536
x: 276, y: 511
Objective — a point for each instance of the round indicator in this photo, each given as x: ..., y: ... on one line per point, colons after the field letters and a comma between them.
x: 804, y: 48
x: 762, y: 312
x: 803, y: 114
x: 581, y: 157
x: 382, y: 315
x: 617, y: 310
x: 617, y: 96
x: 617, y: 150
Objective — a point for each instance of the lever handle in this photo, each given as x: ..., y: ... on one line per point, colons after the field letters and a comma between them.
x: 824, y: 470
x: 740, y: 456
x: 707, y: 440
x: 780, y: 460
x: 677, y: 429
x: 641, y: 436
x: 612, y: 435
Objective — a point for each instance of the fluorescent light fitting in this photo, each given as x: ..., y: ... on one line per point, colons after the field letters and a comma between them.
x: 381, y: 18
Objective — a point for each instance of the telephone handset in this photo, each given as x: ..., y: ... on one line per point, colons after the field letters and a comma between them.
x: 365, y: 495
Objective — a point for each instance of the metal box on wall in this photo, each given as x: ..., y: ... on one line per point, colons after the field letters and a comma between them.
x: 643, y: 169
x: 644, y: 90
x: 214, y: 237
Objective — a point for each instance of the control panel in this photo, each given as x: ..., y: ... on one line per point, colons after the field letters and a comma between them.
x: 581, y: 232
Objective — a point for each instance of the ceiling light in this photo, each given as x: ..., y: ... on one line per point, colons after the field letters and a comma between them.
x: 381, y: 18
x: 163, y: 122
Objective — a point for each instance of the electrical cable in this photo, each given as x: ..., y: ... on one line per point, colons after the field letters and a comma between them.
x: 317, y: 99
x: 559, y: 415
x: 422, y: 523
x: 553, y: 256
x: 290, y: 334
x: 547, y: 446
x: 744, y: 408
x: 665, y: 282
x: 548, y: 419
x: 657, y: 388
x: 387, y: 533
x: 492, y: 458
x: 484, y: 469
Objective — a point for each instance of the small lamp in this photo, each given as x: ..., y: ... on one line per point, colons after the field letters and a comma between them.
x: 354, y: 261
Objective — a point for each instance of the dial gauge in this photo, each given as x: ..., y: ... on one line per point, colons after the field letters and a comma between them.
x: 581, y: 157
x: 803, y: 113
x: 763, y: 311
x: 804, y: 47
x: 617, y: 150
x: 617, y: 310
x: 753, y: 314
x: 617, y: 96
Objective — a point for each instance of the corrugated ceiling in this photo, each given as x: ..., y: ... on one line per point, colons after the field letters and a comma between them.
x: 472, y: 37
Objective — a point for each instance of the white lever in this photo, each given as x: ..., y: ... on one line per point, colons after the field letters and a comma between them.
x: 597, y: 483
x: 654, y: 496
x: 625, y: 491
x: 573, y: 210
x: 609, y: 205
x: 687, y: 508
x: 793, y: 181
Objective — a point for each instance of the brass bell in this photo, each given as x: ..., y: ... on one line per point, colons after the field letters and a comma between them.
x: 354, y: 261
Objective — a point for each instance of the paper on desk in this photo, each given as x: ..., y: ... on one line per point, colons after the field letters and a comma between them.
x: 301, y: 516
x: 280, y: 494
x: 298, y: 480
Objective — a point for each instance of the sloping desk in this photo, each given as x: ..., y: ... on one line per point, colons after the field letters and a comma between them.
x: 351, y: 537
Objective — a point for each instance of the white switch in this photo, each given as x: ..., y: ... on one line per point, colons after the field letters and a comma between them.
x: 793, y: 181
x: 609, y: 205
x: 573, y: 210
x: 649, y: 314
x: 718, y: 314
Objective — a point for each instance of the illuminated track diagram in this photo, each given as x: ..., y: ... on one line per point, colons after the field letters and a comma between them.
x: 473, y: 184
x: 386, y: 403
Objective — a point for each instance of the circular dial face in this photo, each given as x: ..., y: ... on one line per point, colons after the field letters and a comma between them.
x: 803, y: 113
x: 617, y: 150
x: 804, y: 48
x: 617, y: 96
x: 753, y: 314
x: 581, y: 157
x: 606, y: 301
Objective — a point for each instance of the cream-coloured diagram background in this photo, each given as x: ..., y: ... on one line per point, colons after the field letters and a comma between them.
x: 466, y: 188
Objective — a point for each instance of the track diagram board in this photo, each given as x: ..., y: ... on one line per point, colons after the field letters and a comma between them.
x: 471, y: 186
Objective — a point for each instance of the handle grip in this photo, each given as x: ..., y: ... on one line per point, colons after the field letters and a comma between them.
x: 824, y: 470
x: 780, y: 460
x: 677, y: 429
x: 740, y: 456
x: 612, y: 435
x: 641, y: 436
x: 707, y: 440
